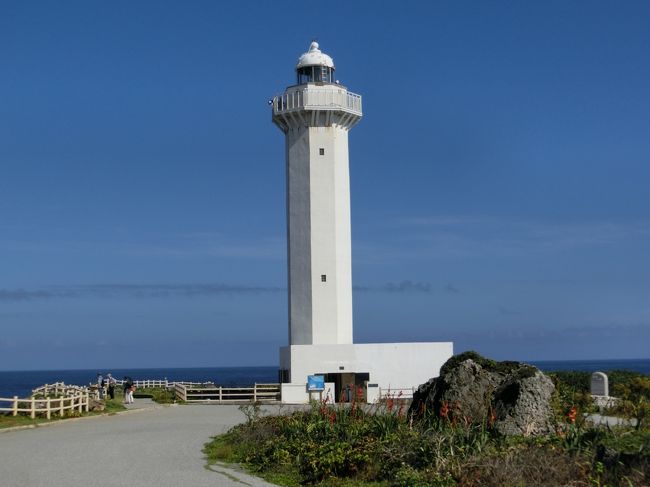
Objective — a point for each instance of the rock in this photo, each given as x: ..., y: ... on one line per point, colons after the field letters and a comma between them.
x: 522, y: 405
x: 96, y: 405
x: 512, y: 397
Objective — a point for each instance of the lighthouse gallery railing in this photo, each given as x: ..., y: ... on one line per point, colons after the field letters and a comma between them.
x: 317, y: 100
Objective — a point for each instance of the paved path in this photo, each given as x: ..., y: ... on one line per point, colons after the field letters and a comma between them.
x: 156, y: 446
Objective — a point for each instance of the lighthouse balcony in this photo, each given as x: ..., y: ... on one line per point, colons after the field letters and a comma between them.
x: 312, y: 98
x: 315, y: 106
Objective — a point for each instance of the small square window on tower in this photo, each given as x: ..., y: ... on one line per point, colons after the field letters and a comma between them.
x: 321, y: 151
x: 323, y: 278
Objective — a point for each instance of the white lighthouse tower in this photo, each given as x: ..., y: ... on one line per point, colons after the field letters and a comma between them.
x: 316, y: 115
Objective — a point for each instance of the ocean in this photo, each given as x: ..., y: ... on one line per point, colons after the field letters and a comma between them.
x: 21, y: 383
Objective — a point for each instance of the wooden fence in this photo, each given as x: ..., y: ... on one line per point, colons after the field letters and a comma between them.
x: 62, y: 399
x: 221, y: 395
x: 66, y: 398
x: 147, y: 383
x: 397, y: 393
x: 143, y: 384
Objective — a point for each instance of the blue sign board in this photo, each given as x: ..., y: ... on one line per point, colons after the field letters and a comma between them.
x: 315, y: 383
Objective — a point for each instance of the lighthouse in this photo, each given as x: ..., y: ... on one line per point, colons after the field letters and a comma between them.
x: 316, y: 115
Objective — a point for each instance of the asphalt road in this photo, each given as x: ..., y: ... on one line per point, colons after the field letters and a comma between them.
x: 158, y: 447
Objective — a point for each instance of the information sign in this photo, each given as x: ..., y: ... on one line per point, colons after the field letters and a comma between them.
x: 315, y: 383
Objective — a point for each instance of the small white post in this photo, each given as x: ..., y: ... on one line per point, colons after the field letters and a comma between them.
x: 87, y: 401
x: 61, y: 405
x: 47, y: 405
x: 15, y: 407
x: 32, y: 412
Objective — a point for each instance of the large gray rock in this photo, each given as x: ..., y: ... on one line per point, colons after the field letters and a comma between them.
x: 522, y: 405
x: 96, y: 405
x: 512, y: 397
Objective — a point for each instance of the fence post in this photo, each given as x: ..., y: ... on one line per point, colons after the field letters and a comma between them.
x: 61, y: 405
x: 15, y: 407
x: 32, y: 412
x: 255, y: 392
x: 79, y: 395
x: 87, y: 401
x: 220, y: 394
x: 47, y: 405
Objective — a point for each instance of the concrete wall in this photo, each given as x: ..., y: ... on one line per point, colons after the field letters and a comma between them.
x: 390, y: 365
x: 298, y: 394
x: 299, y: 235
x: 330, y: 236
x: 319, y: 241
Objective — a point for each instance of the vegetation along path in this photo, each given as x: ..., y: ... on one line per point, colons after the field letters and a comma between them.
x: 159, y: 446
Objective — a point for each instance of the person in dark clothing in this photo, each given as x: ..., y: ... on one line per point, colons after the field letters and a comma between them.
x: 127, y: 383
x: 111, y: 386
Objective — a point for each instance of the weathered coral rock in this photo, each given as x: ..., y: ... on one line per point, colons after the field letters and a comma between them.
x: 512, y: 397
x: 96, y: 405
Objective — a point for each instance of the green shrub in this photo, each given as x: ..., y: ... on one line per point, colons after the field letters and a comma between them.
x: 160, y: 395
x: 336, y: 445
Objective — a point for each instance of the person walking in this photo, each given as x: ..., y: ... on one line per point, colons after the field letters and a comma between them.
x: 100, y: 385
x: 111, y: 386
x: 127, y: 383
x: 130, y: 395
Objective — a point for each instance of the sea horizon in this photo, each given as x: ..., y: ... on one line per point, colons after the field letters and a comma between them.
x: 194, y: 367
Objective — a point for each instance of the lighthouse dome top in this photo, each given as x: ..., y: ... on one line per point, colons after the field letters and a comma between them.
x: 315, y: 57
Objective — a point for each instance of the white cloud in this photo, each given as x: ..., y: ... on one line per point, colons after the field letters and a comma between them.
x: 444, y: 237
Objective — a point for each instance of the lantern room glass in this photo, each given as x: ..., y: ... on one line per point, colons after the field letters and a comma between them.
x: 315, y: 74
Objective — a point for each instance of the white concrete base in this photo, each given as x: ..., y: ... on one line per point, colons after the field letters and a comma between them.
x: 394, y: 367
x: 298, y: 394
x: 605, y: 401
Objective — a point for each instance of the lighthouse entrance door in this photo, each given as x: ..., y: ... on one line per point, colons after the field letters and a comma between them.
x: 348, y: 386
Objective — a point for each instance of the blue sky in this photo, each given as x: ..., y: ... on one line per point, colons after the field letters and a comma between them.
x: 499, y: 178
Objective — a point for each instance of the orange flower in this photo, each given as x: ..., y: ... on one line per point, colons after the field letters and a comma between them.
x: 389, y: 404
x: 444, y: 410
x: 492, y: 418
x: 573, y: 412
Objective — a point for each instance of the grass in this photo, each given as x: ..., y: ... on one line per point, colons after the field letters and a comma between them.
x: 113, y: 406
x: 343, y: 445
x: 160, y: 395
x: 8, y: 421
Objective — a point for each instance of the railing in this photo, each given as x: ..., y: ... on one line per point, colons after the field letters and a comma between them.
x: 221, y: 395
x: 397, y: 393
x: 142, y: 384
x: 70, y: 398
x: 58, y: 389
x: 59, y: 398
x: 317, y: 100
